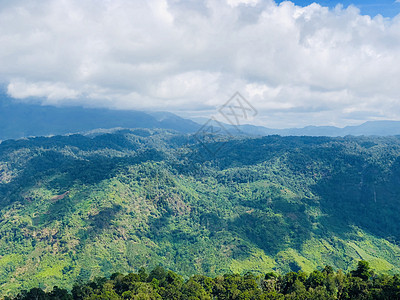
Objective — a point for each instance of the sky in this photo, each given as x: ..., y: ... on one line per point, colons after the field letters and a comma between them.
x: 386, y: 8
x: 298, y: 64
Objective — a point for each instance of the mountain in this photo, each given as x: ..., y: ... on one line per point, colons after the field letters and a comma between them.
x: 375, y: 128
x: 79, y: 206
x: 382, y: 128
x: 19, y: 120
x: 370, y: 128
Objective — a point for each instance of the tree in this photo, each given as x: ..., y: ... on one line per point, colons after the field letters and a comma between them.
x: 316, y: 278
x: 271, y: 283
x: 60, y: 294
x: 363, y: 270
x: 36, y: 294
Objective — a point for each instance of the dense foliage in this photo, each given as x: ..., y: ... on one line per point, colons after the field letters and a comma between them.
x: 324, y: 284
x: 78, y: 207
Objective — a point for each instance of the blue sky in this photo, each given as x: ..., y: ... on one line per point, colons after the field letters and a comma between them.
x: 387, y: 8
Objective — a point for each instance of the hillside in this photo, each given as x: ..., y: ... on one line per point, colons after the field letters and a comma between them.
x: 79, y: 206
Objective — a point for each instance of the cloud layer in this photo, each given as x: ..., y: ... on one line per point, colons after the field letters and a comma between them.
x: 296, y: 65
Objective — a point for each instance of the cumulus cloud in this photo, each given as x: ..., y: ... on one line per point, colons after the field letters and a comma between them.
x: 297, y: 65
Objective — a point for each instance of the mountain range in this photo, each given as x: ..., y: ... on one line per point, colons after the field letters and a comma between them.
x: 369, y: 128
x: 18, y: 119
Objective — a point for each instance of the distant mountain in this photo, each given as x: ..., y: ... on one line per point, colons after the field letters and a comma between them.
x: 382, y: 128
x: 377, y: 128
x: 19, y: 120
x: 23, y: 120
x: 370, y: 128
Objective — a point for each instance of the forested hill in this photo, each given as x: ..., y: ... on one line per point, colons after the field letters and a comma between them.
x: 76, y: 207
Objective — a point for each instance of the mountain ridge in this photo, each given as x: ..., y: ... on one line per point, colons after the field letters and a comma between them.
x: 19, y: 120
x: 368, y: 128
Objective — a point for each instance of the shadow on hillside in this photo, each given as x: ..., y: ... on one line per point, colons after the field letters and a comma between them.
x: 366, y: 196
x: 273, y: 233
x: 98, y: 223
x: 236, y: 152
x: 59, y: 173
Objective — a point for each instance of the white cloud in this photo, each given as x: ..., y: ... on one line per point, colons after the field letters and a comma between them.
x: 51, y: 91
x: 297, y: 65
x: 235, y: 3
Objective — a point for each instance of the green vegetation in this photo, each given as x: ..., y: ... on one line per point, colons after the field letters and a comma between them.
x: 325, y: 284
x: 79, y: 207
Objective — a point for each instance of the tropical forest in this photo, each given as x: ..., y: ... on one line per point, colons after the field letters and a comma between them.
x: 157, y: 214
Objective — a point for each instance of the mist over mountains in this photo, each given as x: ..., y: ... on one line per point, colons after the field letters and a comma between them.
x: 377, y: 128
x: 18, y: 120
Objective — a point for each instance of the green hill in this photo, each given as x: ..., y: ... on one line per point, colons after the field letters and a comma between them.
x: 76, y: 207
